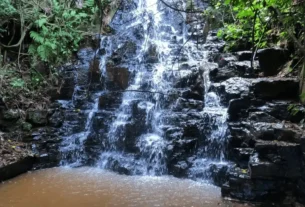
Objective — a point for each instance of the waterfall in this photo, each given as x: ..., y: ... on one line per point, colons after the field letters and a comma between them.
x: 155, y: 124
x: 212, y: 154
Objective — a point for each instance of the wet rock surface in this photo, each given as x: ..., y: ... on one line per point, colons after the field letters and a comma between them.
x: 15, y: 158
x: 265, y: 138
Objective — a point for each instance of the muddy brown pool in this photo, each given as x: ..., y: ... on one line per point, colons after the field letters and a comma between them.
x: 90, y: 187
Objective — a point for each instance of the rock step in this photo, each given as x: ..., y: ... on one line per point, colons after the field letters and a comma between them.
x: 246, y: 134
x: 241, y: 186
x: 265, y: 111
x: 276, y: 159
x: 267, y: 89
x: 16, y: 168
x: 275, y: 88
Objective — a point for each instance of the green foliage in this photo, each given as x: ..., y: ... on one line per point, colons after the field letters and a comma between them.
x: 7, y: 9
x: 59, y: 34
x: 28, y: 72
x: 17, y: 83
x: 261, y: 23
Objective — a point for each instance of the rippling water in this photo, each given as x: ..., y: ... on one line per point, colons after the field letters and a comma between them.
x: 89, y: 187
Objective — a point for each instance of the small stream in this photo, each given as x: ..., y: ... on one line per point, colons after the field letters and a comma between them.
x: 92, y: 187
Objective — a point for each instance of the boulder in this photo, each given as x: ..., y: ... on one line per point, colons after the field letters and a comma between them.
x: 241, y: 186
x: 261, y: 116
x: 240, y: 135
x: 37, y: 117
x: 68, y: 83
x: 179, y: 169
x: 233, y: 88
x: 241, y: 156
x: 279, y: 110
x: 244, y: 55
x: 56, y: 119
x: 14, y: 169
x: 271, y: 59
x: 224, y: 59
x: 192, y: 94
x: 232, y: 69
x: 11, y: 114
x: 238, y: 107
x: 275, y: 88
x: 276, y: 131
x: 187, y: 105
x: 276, y: 160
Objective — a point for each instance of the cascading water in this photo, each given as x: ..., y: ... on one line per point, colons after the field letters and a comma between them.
x: 153, y: 57
x: 212, y: 154
x: 155, y: 125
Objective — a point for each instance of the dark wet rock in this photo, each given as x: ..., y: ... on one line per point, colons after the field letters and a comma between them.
x: 15, y: 157
x: 190, y: 94
x: 101, y: 121
x: 80, y: 97
x: 260, y: 116
x: 126, y: 51
x: 56, y: 119
x: 244, y: 55
x: 11, y: 114
x: 271, y: 59
x: 276, y: 160
x: 237, y: 107
x: 94, y: 71
x: 233, y: 88
x: 275, y: 88
x: 179, y: 169
x: 139, y: 32
x: 241, y: 135
x: 37, y: 117
x: 232, y: 69
x: 279, y: 110
x: 241, y: 186
x: 224, y: 59
x: 193, y: 81
x: 277, y: 131
x: 241, y: 156
x: 117, y: 76
x: 221, y: 74
x: 186, y: 105
x: 25, y: 126
x: 219, y: 174
x: 124, y: 164
x: 14, y: 169
x: 68, y: 83
x: 152, y: 54
x: 108, y: 100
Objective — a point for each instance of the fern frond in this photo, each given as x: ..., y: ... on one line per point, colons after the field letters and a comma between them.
x: 36, y: 37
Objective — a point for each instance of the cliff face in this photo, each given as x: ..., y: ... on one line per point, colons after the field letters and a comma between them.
x: 266, y: 138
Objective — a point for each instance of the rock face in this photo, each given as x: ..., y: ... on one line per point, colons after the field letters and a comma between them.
x: 15, y: 159
x: 265, y: 141
x: 117, y: 76
x: 271, y: 59
x: 14, y: 169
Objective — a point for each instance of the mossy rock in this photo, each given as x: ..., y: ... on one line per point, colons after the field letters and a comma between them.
x: 12, y: 114
x: 37, y: 117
